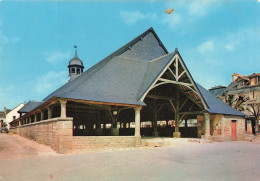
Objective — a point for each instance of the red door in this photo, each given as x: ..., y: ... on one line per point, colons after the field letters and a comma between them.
x: 233, y: 130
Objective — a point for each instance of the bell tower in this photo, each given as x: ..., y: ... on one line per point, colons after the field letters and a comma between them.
x: 75, y: 66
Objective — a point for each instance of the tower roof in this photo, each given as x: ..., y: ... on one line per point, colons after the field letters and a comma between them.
x: 75, y: 60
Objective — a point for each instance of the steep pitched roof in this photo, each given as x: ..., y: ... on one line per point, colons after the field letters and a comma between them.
x: 31, y: 105
x: 118, y: 77
x: 125, y: 75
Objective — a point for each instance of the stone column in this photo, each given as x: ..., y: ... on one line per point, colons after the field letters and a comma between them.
x: 137, y: 127
x: 137, y: 121
x: 63, y: 108
x: 50, y: 112
x: 42, y: 115
x: 35, y: 118
x: 207, y: 125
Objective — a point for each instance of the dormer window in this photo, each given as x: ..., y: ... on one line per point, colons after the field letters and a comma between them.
x: 240, y: 83
x: 73, y: 70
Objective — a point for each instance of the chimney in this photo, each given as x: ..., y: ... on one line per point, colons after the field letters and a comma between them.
x: 234, y: 77
x: 5, y: 111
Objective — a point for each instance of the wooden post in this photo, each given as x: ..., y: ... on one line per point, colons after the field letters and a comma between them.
x: 177, y: 133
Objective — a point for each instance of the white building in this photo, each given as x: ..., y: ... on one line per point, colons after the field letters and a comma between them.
x: 13, y: 114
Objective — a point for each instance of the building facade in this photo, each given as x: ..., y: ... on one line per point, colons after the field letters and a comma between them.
x: 243, y: 93
x: 3, y: 117
x: 13, y: 114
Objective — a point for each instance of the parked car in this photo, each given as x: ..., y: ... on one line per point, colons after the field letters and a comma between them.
x: 4, y: 130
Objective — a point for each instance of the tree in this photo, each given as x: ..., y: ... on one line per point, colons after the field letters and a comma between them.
x: 236, y: 103
x: 253, y: 108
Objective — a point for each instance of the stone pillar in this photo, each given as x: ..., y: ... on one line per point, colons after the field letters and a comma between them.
x: 137, y: 121
x: 35, y: 118
x: 63, y: 108
x: 137, y: 126
x: 50, y: 112
x: 42, y: 115
x: 207, y: 125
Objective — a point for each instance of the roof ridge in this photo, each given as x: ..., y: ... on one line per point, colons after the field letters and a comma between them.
x: 153, y: 60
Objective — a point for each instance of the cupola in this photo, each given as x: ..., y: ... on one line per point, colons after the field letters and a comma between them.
x: 75, y: 66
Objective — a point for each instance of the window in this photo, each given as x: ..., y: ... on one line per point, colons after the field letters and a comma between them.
x: 252, y: 95
x: 78, y: 71
x: 14, y: 117
x: 72, y: 70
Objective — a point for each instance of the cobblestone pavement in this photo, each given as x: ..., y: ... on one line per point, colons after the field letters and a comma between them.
x: 189, y: 161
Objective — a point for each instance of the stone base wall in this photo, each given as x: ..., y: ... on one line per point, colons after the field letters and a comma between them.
x: 99, y: 142
x: 56, y: 133
x: 200, y: 125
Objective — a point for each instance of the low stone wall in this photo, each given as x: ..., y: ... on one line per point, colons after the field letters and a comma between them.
x: 96, y: 142
x: 222, y: 127
x: 55, y: 132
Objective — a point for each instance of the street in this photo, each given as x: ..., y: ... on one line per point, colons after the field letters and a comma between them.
x: 23, y: 159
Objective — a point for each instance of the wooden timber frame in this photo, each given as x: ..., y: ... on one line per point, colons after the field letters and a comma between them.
x: 173, y: 96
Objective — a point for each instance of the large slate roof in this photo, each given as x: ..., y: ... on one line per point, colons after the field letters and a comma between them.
x: 31, y: 105
x: 118, y: 77
x: 125, y: 75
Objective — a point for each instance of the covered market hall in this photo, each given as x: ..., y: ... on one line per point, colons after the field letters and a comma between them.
x: 139, y: 90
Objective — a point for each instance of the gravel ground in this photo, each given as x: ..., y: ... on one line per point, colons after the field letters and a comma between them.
x: 23, y: 159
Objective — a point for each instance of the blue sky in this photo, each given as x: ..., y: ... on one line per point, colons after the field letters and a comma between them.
x: 215, y: 38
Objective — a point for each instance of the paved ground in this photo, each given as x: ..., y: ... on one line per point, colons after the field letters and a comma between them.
x: 187, y: 161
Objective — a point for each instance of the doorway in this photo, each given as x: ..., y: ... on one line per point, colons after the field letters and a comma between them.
x: 233, y: 130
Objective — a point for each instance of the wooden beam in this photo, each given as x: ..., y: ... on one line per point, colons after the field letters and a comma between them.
x: 103, y: 103
x: 175, y: 82
x: 172, y: 73
x: 181, y: 74
x: 193, y: 112
x: 184, y: 103
x: 172, y: 105
x: 159, y: 97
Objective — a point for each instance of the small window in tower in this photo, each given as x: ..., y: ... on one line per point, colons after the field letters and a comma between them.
x: 78, y: 71
x: 73, y: 70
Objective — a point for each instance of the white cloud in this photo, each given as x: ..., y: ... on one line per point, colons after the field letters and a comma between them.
x: 200, y: 7
x: 172, y: 21
x: 131, y: 17
x: 205, y: 47
x: 50, y: 81
x: 186, y: 12
x: 56, y: 57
